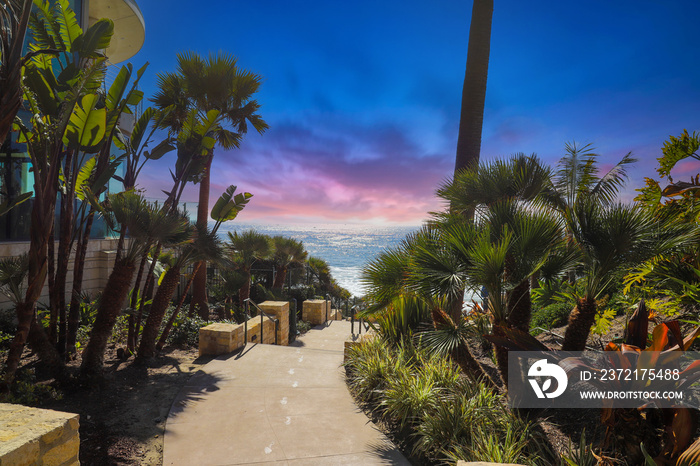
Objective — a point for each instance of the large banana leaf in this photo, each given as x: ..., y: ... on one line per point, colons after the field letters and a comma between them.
x: 96, y: 38
x: 87, y: 124
x: 228, y: 206
x: 69, y: 28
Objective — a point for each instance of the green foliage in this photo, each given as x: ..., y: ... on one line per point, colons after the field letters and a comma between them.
x: 603, y: 320
x: 303, y: 327
x: 552, y: 316
x: 449, y: 417
x: 26, y: 391
x: 185, y: 331
x: 581, y: 454
x: 401, y: 318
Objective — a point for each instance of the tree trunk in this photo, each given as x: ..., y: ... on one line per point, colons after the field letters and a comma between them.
x: 580, y: 322
x: 25, y: 315
x: 53, y: 299
x: 166, y: 331
x: 162, y: 299
x: 110, y: 307
x: 520, y: 307
x: 78, y: 268
x: 64, y: 250
x: 474, y: 88
x: 42, y: 225
x: 135, y: 322
x: 280, y: 277
x: 199, y: 288
x: 500, y: 352
x: 244, y: 292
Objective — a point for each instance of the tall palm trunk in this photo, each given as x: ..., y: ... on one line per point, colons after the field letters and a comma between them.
x: 581, y: 320
x: 280, y: 277
x: 199, y: 288
x: 64, y: 249
x: 474, y: 88
x: 109, y: 309
x: 162, y: 299
x: 42, y: 225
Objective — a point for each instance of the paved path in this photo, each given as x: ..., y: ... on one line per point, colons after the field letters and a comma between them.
x: 275, y: 405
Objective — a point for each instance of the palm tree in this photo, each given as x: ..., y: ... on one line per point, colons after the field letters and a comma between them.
x: 146, y: 224
x: 244, y: 250
x: 608, y: 236
x: 474, y: 88
x: 207, y: 246
x: 425, y: 271
x: 214, y: 83
x: 612, y: 239
x: 287, y: 251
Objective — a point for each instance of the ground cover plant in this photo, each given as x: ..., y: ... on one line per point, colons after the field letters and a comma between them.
x: 441, y: 414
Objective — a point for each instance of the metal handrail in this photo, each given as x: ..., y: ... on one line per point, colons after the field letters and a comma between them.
x: 262, y: 315
x: 360, y: 322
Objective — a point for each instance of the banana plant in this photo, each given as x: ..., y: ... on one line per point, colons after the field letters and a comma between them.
x: 54, y: 85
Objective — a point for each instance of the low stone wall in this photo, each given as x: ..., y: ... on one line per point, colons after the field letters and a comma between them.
x: 99, y: 262
x: 268, y: 330
x: 31, y: 436
x: 219, y: 338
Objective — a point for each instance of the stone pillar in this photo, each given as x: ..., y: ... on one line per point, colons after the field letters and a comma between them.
x: 38, y: 436
x: 279, y: 309
x: 314, y: 311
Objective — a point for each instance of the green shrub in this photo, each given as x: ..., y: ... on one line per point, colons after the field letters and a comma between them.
x: 303, y: 327
x: 554, y: 315
x: 25, y: 390
x: 450, y: 417
x: 185, y: 330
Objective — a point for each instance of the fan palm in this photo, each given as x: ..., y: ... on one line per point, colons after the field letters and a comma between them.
x: 201, y: 85
x: 244, y: 250
x: 612, y: 239
x: 146, y: 224
x: 287, y: 251
x: 425, y: 271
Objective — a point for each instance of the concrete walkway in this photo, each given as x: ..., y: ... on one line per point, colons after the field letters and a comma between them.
x: 275, y: 405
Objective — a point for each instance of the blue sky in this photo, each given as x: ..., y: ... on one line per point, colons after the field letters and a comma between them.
x: 363, y: 97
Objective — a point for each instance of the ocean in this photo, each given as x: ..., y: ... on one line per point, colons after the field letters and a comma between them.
x: 345, y: 247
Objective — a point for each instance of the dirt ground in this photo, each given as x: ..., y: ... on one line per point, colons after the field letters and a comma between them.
x: 122, y: 421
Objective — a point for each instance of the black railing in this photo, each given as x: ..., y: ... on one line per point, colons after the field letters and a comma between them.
x: 360, y: 323
x: 249, y: 301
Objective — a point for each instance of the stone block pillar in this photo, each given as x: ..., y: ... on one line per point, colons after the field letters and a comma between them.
x: 279, y: 309
x: 314, y: 311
